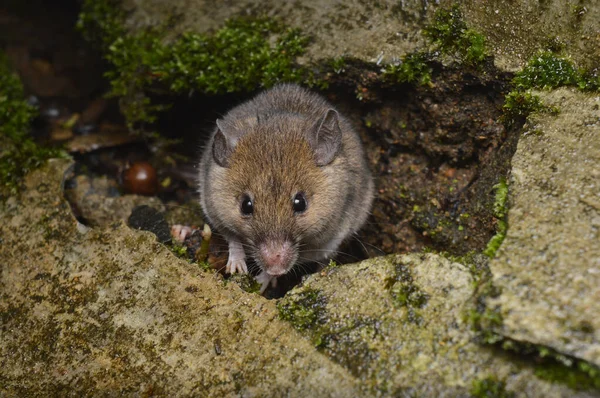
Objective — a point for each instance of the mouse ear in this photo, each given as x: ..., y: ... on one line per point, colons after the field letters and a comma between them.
x: 223, y: 145
x: 325, y: 138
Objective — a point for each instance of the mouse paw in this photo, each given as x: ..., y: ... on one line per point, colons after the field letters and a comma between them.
x: 180, y: 232
x: 236, y: 265
x: 237, y: 258
x: 264, y: 279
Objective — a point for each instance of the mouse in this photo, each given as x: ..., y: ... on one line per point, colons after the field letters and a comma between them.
x: 285, y: 179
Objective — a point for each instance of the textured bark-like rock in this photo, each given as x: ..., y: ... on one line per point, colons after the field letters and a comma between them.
x: 548, y: 268
x: 112, y: 311
x: 383, y: 30
x: 398, y: 323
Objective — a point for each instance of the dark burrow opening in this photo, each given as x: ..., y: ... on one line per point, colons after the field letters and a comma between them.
x: 436, y: 151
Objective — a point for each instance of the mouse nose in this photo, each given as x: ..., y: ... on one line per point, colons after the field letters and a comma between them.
x: 276, y: 256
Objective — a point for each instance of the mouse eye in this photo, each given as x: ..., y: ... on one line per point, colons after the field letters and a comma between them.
x: 247, y: 207
x: 299, y: 203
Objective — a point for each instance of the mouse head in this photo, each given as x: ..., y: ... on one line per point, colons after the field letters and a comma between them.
x: 277, y: 190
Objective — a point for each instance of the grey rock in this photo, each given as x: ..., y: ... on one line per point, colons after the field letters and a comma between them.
x: 384, y: 30
x: 98, y: 201
x: 548, y: 268
x: 102, y: 312
x: 399, y: 325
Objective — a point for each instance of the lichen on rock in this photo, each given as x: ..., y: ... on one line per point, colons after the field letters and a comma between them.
x: 362, y: 325
x: 548, y: 266
x: 106, y: 311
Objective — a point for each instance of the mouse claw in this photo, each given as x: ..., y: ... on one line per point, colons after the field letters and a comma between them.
x: 179, y: 232
x: 264, y: 279
x: 237, y: 258
x: 236, y: 265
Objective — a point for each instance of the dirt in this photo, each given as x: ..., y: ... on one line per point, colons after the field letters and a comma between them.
x: 436, y: 152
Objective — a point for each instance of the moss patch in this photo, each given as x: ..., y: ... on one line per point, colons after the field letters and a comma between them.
x: 406, y: 293
x: 450, y: 34
x: 241, y: 56
x: 19, y: 153
x: 547, y: 70
x: 500, y: 210
x: 490, y: 387
x: 414, y: 68
x: 305, y: 311
x: 518, y: 105
x: 555, y: 367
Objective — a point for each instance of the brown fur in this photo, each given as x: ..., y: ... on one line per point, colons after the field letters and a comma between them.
x: 272, y: 161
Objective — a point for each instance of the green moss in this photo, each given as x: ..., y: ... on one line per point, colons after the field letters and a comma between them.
x: 332, y: 264
x: 205, y: 266
x: 490, y: 387
x: 582, y: 377
x: 406, y: 293
x: 501, y: 199
x: 246, y: 282
x: 237, y: 57
x: 500, y: 210
x: 476, y: 262
x: 555, y: 367
x: 19, y: 154
x: 547, y: 70
x: 413, y: 68
x: 101, y: 22
x: 450, y: 34
x: 590, y: 80
x: 241, y: 56
x: 338, y: 65
x: 519, y: 104
x: 304, y: 310
x: 179, y: 250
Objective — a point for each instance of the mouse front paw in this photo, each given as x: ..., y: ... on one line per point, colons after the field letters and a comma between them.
x: 264, y: 279
x: 236, y: 265
x: 179, y: 232
x: 237, y: 258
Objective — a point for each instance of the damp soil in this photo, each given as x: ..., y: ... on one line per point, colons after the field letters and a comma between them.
x: 436, y: 151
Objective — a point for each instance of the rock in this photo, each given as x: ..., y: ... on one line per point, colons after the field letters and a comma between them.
x: 398, y: 324
x: 517, y: 30
x: 384, y: 30
x: 363, y: 30
x: 148, y: 219
x: 548, y: 268
x: 98, y: 200
x: 92, y: 311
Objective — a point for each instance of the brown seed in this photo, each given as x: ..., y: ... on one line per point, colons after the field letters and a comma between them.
x: 140, y: 178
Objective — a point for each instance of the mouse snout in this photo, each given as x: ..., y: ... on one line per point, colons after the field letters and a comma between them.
x: 277, y: 256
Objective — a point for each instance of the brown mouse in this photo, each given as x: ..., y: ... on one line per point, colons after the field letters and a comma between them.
x: 284, y: 178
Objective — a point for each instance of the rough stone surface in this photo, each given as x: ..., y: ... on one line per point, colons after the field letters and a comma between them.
x: 98, y: 200
x: 516, y: 30
x: 365, y: 30
x: 106, y: 312
x: 548, y: 268
x: 397, y: 323
x: 380, y: 31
